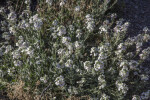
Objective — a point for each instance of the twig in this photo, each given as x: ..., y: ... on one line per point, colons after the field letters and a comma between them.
x: 21, y: 6
x: 17, y: 5
x: 44, y: 91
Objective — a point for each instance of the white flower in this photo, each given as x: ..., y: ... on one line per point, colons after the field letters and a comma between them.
x: 146, y: 37
x: 145, y: 29
x: 90, y: 23
x: 139, y: 45
x: 17, y: 63
x: 23, y: 46
x: 88, y: 16
x: 69, y: 63
x: 102, y: 56
x: 136, y: 97
x: 87, y: 65
x: 54, y: 35
x: 145, y: 95
x: 144, y: 77
x: 77, y: 45
x: 8, y: 48
x: 90, y: 26
x: 62, y: 3
x: 124, y: 73
x: 81, y: 81
x: 72, y: 90
x: 60, y: 51
x: 59, y: 81
x: 61, y: 30
x: 6, y: 36
x: 44, y: 79
x: 124, y: 63
x: 99, y: 65
x: 38, y: 24
x: 130, y: 55
x: 101, y: 81
x: 79, y: 33
x: 23, y: 24
x: 55, y: 23
x: 49, y: 2
x: 94, y: 51
x: 66, y: 40
x: 105, y: 97
x: 122, y: 47
x: 104, y: 48
x: 70, y: 47
x: 122, y: 87
x: 27, y: 1
x: 103, y: 29
x: 12, y: 30
x: 12, y: 16
x: 29, y: 52
x: 16, y: 54
x: 77, y: 8
x: 71, y: 27
x: 133, y: 64
x: 145, y: 54
x: 113, y: 15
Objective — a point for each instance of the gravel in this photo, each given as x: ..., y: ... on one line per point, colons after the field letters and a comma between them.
x: 137, y: 12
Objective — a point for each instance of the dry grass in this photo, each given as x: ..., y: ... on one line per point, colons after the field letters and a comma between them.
x: 16, y: 91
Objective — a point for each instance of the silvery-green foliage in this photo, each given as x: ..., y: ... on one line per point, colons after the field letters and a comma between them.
x: 54, y: 48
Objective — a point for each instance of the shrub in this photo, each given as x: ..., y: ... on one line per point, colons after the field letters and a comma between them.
x: 66, y: 49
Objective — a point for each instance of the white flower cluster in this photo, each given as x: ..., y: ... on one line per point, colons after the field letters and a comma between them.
x: 120, y: 50
x: 109, y: 69
x: 59, y: 81
x: 124, y: 73
x: 62, y: 3
x: 101, y: 81
x: 138, y: 40
x: 23, y: 24
x: 99, y: 66
x: 69, y: 63
x: 12, y: 16
x: 36, y: 21
x: 120, y: 27
x: 8, y: 49
x: 61, y: 30
x: 50, y: 2
x: 87, y: 65
x: 105, y: 27
x: 90, y: 23
x: 72, y: 90
x: 44, y: 79
x: 94, y: 51
x: 133, y: 64
x: 136, y: 97
x: 103, y: 51
x: 145, y: 95
x: 77, y: 8
x: 122, y: 87
x: 24, y: 48
x: 145, y: 54
x: 144, y: 77
x: 66, y: 40
x: 27, y: 1
x: 79, y: 33
x: 105, y: 97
